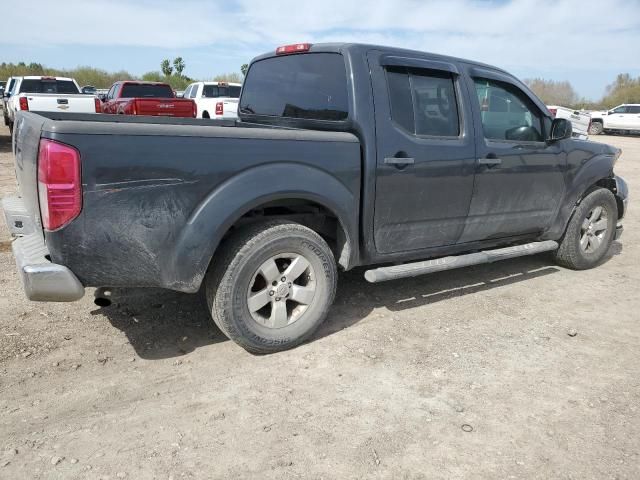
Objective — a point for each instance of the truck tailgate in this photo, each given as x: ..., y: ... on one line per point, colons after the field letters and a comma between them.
x: 52, y: 102
x: 168, y: 107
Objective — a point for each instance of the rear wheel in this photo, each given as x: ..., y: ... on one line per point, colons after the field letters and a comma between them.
x: 595, y: 128
x: 205, y: 115
x: 271, y: 286
x: 590, y: 231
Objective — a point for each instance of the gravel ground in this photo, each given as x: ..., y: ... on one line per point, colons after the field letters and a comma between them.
x: 463, y: 374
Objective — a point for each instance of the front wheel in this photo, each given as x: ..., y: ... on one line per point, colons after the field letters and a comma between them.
x: 590, y: 231
x: 271, y: 286
x: 596, y: 128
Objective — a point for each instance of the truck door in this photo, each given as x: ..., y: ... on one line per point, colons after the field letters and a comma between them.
x: 425, y: 153
x: 519, y: 180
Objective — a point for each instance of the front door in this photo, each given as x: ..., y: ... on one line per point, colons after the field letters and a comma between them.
x: 519, y: 181
x: 426, y: 153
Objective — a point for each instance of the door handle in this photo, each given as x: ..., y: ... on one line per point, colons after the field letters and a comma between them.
x: 399, y: 161
x: 490, y: 161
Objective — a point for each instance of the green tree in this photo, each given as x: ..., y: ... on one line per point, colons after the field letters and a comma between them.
x: 166, y: 67
x: 178, y: 65
x: 553, y: 92
x: 243, y: 68
x: 233, y: 77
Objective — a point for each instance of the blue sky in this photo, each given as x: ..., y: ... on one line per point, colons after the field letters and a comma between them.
x: 583, y: 41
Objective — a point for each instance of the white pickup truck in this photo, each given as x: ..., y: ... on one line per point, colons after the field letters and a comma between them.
x: 217, y: 100
x: 580, y: 121
x: 623, y: 118
x: 49, y: 94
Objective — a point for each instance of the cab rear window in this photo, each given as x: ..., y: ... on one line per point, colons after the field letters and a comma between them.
x: 48, y: 86
x: 140, y: 90
x: 306, y: 86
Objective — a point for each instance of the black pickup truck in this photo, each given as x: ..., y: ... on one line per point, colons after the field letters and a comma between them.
x: 344, y: 155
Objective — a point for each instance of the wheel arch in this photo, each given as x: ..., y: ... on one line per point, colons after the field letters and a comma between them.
x: 262, y: 187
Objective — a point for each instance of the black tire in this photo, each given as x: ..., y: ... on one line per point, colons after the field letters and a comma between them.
x: 596, y: 128
x: 235, y: 271
x: 205, y: 115
x: 571, y: 253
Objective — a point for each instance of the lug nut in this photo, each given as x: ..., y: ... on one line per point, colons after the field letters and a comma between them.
x: 274, y: 283
x: 271, y: 293
x: 277, y: 299
x: 284, y: 279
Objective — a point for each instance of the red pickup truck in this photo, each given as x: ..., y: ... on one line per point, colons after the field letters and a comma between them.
x: 146, y: 98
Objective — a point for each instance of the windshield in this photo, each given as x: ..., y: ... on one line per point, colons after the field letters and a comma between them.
x: 146, y: 90
x: 48, y: 86
x: 310, y: 86
x: 215, y: 91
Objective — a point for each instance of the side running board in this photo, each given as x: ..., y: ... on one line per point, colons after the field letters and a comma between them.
x: 405, y: 270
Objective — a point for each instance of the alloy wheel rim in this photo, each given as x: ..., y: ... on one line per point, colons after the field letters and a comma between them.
x: 593, y: 230
x: 281, y: 290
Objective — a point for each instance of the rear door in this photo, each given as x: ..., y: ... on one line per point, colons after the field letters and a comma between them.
x: 519, y: 179
x: 425, y: 153
x: 634, y: 117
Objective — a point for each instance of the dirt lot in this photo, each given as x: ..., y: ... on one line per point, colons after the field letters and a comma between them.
x: 148, y: 388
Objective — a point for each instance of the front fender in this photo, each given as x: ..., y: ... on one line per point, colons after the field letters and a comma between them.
x: 584, y: 176
x: 197, y: 243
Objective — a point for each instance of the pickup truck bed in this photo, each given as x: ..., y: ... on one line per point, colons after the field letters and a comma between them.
x: 155, y: 222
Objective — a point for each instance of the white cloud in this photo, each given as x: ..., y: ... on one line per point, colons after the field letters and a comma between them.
x: 570, y: 34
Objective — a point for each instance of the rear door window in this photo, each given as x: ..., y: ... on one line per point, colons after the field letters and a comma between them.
x: 304, y: 86
x: 423, y: 102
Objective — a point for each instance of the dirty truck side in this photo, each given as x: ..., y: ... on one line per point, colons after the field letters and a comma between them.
x: 344, y: 155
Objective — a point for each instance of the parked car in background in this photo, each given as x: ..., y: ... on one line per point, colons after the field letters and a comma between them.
x: 8, y: 90
x: 49, y: 94
x: 345, y: 155
x: 580, y: 121
x: 217, y: 100
x: 623, y: 118
x: 146, y: 98
x: 179, y: 93
x: 89, y: 90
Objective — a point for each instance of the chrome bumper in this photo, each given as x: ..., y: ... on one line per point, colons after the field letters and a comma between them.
x: 42, y: 280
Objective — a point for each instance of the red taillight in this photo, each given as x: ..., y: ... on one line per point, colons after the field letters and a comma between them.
x: 24, y: 103
x: 194, y: 109
x: 59, y: 184
x: 98, y: 105
x: 553, y: 112
x: 295, y: 48
x: 219, y: 108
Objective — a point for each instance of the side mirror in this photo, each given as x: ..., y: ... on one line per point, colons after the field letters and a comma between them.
x: 561, y: 128
x: 102, y: 97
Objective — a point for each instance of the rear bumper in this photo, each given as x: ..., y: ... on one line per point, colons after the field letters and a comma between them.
x: 42, y: 280
x: 18, y: 219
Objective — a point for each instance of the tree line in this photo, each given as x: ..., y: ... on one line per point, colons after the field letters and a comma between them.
x: 171, y: 72
x: 625, y: 89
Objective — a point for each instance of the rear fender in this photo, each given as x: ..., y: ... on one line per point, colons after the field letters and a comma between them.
x: 243, y: 192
